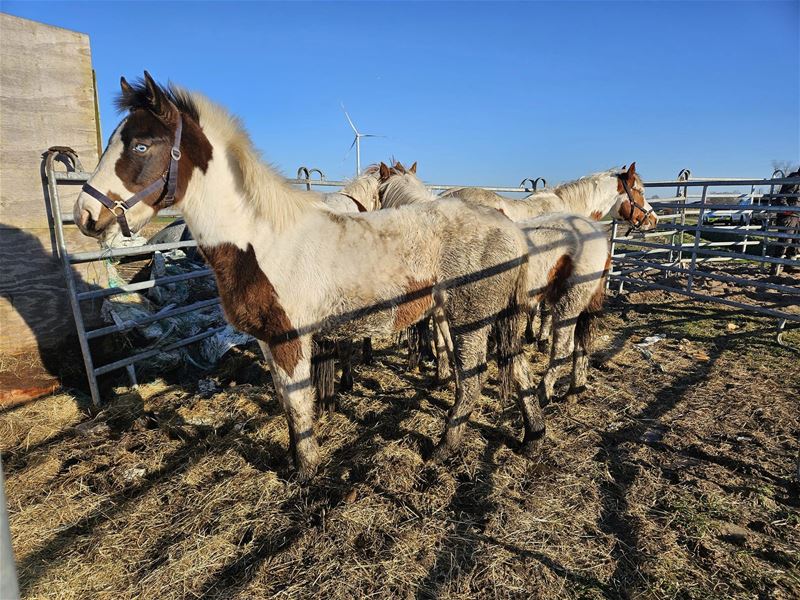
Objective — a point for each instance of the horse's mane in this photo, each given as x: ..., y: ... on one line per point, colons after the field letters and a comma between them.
x: 402, y: 189
x: 139, y: 97
x: 364, y: 187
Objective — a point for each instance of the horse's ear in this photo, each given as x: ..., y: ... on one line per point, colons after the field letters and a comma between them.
x: 384, y: 172
x: 399, y: 166
x: 126, y: 88
x: 413, y: 168
x: 632, y: 170
x: 160, y: 104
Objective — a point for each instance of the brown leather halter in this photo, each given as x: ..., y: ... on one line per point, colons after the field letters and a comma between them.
x: 646, y: 212
x: 168, y: 182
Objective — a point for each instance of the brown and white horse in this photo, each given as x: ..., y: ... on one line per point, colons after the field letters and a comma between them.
x: 616, y: 191
x: 567, y: 266
x: 619, y: 192
x: 288, y: 267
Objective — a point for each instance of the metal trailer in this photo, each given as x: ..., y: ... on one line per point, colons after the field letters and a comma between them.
x: 680, y: 247
x: 75, y: 175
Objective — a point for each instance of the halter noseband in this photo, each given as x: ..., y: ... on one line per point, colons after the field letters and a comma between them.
x: 168, y: 182
x: 636, y: 224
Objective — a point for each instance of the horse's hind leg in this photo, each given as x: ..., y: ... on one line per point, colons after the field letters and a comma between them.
x: 442, y: 361
x: 323, y: 372
x: 345, y: 351
x: 560, y: 354
x: 366, y: 352
x: 297, y: 399
x: 544, y: 339
x: 470, y: 365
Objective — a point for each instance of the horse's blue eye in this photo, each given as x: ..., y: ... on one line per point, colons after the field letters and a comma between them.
x: 141, y: 148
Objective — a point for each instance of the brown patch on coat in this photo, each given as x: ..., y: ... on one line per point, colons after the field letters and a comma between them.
x: 137, y: 171
x: 557, y: 279
x: 416, y: 303
x: 251, y: 303
x: 596, y: 215
x: 598, y: 297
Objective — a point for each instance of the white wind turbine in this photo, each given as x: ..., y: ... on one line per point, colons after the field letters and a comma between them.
x: 357, y: 141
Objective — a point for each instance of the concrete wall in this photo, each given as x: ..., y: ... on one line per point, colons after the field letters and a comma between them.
x: 47, y: 98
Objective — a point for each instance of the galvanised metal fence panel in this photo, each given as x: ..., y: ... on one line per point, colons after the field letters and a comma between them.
x: 689, y: 248
x: 75, y: 175
x: 634, y: 256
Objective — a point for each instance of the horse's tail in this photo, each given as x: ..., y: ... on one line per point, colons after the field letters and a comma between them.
x: 323, y: 372
x: 587, y: 320
x: 509, y: 330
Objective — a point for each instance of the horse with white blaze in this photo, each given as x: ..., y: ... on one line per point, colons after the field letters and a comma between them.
x: 288, y: 267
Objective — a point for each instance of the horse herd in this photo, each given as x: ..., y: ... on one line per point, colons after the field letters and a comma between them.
x: 304, y: 273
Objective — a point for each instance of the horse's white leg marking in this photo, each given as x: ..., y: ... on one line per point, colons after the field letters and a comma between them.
x: 297, y: 398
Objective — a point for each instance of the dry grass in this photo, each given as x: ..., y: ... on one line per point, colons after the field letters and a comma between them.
x: 672, y: 477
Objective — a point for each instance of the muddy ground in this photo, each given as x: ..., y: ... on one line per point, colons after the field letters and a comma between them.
x: 674, y: 476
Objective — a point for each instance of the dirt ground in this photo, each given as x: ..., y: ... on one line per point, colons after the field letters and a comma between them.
x: 674, y: 476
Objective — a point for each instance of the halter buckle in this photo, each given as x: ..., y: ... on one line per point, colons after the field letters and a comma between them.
x: 119, y: 204
x: 175, y: 153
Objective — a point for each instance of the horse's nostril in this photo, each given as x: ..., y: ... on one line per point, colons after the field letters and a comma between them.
x: 85, y: 221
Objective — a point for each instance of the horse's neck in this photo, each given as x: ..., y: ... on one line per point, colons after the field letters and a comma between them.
x: 400, y: 193
x: 592, y: 198
x: 221, y: 207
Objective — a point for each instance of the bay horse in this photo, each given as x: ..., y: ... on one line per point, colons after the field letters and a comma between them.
x: 567, y: 267
x: 288, y: 267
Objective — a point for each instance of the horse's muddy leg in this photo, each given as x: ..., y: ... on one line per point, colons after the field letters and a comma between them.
x: 560, y: 354
x: 530, y: 336
x: 470, y: 365
x: 443, y: 372
x: 580, y: 369
x: 366, y: 352
x: 345, y: 351
x: 297, y: 399
x: 323, y: 373
x: 544, y: 339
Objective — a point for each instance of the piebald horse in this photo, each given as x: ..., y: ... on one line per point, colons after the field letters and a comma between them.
x: 619, y: 192
x: 567, y: 266
x: 616, y: 191
x: 288, y: 267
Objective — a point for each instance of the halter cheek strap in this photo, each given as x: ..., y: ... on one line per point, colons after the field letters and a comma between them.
x: 636, y: 224
x: 168, y: 182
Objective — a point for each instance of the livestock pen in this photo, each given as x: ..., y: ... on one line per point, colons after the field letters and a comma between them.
x: 673, y: 475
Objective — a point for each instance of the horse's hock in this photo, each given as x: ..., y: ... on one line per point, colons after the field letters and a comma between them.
x: 47, y: 97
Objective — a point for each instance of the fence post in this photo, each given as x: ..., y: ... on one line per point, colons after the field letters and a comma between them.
x: 698, y: 225
x: 614, y: 227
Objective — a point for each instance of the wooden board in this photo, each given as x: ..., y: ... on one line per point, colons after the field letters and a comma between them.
x: 47, y: 98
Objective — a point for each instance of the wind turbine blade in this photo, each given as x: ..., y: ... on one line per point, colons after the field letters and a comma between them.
x: 355, y: 139
x: 371, y: 135
x: 349, y: 120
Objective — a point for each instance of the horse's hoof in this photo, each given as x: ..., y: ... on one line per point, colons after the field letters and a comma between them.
x: 532, y: 448
x: 346, y: 384
x: 441, y: 453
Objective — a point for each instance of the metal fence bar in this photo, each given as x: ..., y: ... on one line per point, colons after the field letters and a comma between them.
x: 159, y: 316
x: 716, y: 276
x: 80, y: 257
x: 749, y: 307
x: 143, y: 285
x: 156, y: 351
x: 69, y: 276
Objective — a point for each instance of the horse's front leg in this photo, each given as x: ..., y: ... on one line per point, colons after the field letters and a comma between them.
x: 291, y: 375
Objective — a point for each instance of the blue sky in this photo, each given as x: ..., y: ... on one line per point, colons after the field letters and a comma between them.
x: 478, y: 93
